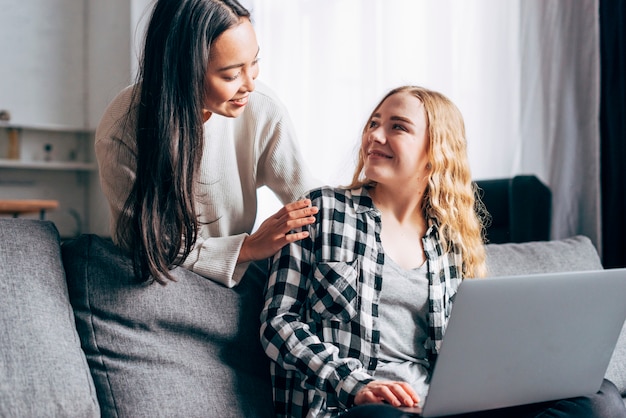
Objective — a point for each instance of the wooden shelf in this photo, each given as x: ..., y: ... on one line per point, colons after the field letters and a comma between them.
x: 48, y: 165
x: 22, y: 207
x: 47, y: 128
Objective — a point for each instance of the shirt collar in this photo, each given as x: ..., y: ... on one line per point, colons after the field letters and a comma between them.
x: 363, y: 201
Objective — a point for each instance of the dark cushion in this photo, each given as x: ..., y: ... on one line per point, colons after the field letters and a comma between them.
x: 43, y: 371
x: 190, y: 348
x: 520, y: 209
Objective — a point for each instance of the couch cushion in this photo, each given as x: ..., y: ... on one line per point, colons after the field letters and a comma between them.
x: 43, y: 371
x: 570, y: 254
x: 190, y: 348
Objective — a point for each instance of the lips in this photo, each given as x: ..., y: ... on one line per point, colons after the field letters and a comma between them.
x: 377, y: 153
x: 242, y: 101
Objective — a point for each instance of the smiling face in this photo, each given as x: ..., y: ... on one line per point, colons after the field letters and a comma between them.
x: 395, y: 141
x: 233, y: 67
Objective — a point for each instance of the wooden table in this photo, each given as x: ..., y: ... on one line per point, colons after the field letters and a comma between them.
x: 22, y: 207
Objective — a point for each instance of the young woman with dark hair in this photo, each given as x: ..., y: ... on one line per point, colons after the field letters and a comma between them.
x: 183, y: 150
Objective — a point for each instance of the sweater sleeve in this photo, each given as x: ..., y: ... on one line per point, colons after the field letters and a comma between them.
x: 216, y: 258
x: 116, y: 156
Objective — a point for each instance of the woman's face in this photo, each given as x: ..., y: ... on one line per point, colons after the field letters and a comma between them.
x: 233, y: 67
x: 395, y: 142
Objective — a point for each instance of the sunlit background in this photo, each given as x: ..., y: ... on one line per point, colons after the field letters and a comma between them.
x: 524, y: 73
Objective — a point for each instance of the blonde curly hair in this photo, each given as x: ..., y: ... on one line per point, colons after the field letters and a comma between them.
x: 450, y: 196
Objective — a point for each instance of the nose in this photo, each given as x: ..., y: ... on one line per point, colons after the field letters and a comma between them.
x: 376, y: 135
x: 249, y: 77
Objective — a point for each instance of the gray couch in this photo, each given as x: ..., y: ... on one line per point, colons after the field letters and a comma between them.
x: 80, y: 338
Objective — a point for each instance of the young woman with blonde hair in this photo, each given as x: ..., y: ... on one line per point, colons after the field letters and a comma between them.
x: 355, y: 313
x: 449, y: 196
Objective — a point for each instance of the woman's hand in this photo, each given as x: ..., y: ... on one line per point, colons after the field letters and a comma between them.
x: 393, y: 393
x: 273, y: 234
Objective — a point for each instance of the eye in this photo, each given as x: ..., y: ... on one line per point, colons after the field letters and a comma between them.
x: 399, y: 127
x: 232, y: 78
x: 372, y: 124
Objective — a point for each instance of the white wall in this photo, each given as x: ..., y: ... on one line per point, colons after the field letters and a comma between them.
x: 42, y: 76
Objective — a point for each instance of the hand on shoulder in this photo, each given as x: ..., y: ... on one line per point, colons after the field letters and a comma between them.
x: 277, y: 231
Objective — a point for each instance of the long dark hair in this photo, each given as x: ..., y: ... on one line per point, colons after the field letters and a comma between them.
x: 159, y: 218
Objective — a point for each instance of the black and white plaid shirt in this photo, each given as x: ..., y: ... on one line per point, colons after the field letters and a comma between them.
x: 319, y: 325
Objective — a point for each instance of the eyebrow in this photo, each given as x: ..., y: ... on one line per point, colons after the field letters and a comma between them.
x: 398, y: 118
x: 230, y: 67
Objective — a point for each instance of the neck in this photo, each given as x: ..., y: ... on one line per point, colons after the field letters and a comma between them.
x: 404, y: 205
x: 403, y: 224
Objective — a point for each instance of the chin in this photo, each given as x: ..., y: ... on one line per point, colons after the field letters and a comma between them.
x: 228, y: 111
x: 233, y: 113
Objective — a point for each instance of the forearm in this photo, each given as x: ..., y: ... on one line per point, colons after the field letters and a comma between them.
x: 292, y: 346
x: 289, y: 341
x: 216, y: 259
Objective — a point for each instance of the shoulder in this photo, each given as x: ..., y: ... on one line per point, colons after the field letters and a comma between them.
x: 121, y: 103
x: 263, y: 92
x: 264, y: 102
x: 325, y: 193
x: 116, y: 113
x: 340, y: 198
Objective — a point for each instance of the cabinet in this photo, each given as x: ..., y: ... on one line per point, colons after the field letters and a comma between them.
x: 50, y: 162
x: 62, y: 63
x: 45, y: 148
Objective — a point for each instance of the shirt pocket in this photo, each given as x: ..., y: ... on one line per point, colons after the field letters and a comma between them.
x: 335, y: 290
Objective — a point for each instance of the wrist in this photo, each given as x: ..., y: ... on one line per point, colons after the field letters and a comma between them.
x: 244, y: 255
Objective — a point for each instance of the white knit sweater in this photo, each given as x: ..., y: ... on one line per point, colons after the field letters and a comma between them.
x: 240, y: 155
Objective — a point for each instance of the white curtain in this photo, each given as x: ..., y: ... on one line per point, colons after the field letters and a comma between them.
x: 524, y: 73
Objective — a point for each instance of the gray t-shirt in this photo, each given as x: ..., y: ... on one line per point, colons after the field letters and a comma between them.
x: 403, y: 318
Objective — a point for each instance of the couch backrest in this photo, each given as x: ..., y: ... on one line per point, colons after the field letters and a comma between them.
x: 570, y: 254
x: 190, y: 348
x: 43, y: 371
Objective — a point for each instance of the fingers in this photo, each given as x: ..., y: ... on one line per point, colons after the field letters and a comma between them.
x: 294, y: 206
x: 295, y: 215
x: 294, y: 236
x: 393, y: 393
x: 275, y: 232
x: 296, y: 210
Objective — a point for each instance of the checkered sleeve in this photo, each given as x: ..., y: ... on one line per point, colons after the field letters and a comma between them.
x: 444, y: 276
x: 288, y: 338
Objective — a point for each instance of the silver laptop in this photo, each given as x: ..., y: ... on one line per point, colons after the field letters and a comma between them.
x: 526, y: 339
